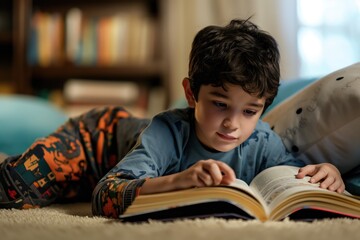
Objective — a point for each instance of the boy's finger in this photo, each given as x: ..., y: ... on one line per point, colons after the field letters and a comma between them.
x: 341, y: 189
x: 329, y: 181
x: 228, y: 174
x: 321, y: 174
x: 337, y: 186
x: 214, y: 171
x: 307, y: 170
x: 205, y: 179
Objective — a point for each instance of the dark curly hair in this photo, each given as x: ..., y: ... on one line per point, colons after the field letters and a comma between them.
x: 239, y: 53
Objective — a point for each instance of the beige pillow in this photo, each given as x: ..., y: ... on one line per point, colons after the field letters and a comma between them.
x: 321, y: 123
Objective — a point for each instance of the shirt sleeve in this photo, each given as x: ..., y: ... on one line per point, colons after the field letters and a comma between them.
x: 156, y: 153
x: 277, y: 154
x: 267, y: 148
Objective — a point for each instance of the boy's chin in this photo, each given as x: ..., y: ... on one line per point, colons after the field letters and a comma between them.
x: 224, y: 149
x: 221, y: 148
x: 218, y: 147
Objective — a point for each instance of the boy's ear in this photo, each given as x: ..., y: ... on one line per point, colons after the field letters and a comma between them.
x: 188, y: 92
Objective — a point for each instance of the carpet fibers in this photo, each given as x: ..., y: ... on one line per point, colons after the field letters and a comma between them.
x: 74, y: 221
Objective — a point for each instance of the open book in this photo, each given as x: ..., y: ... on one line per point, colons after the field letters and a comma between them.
x: 274, y: 194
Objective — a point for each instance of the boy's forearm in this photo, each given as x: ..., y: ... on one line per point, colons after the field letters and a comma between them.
x: 112, y: 196
x: 159, y: 184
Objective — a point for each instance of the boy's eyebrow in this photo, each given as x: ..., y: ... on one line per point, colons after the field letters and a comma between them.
x: 253, y: 104
x: 257, y: 105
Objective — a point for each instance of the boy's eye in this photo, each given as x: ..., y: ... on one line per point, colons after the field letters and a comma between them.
x: 220, y: 104
x: 250, y: 112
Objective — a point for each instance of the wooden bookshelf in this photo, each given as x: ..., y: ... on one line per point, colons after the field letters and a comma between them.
x: 6, y: 47
x: 139, y: 72
x: 30, y: 76
x: 55, y: 76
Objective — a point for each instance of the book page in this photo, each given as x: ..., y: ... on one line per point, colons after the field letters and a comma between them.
x: 277, y: 183
x: 240, y: 184
x: 243, y: 186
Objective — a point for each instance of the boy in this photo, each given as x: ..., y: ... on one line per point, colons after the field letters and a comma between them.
x: 233, y: 78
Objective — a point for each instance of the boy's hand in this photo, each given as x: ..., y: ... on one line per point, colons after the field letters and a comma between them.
x: 326, y: 173
x: 205, y: 173
x: 201, y: 174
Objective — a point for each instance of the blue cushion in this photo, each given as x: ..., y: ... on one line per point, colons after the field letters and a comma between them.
x: 287, y: 89
x: 25, y: 118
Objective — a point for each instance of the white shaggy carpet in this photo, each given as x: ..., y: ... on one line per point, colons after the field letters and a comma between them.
x: 74, y: 221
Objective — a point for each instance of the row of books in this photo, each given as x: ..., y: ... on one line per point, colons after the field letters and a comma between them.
x: 91, y: 40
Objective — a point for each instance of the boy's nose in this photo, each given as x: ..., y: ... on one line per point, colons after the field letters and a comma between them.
x: 229, y: 124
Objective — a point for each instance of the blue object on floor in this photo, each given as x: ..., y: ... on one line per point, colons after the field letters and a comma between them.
x: 25, y: 118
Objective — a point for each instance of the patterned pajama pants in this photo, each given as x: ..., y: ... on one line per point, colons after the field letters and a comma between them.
x: 67, y: 164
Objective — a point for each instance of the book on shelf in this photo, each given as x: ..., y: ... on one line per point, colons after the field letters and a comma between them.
x: 45, y: 43
x: 73, y: 25
x: 274, y: 194
x: 100, y: 91
x: 81, y: 95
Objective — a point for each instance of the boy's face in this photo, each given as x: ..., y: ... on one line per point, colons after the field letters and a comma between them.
x: 224, y: 118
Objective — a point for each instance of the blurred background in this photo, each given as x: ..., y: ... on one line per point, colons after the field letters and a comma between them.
x: 79, y: 54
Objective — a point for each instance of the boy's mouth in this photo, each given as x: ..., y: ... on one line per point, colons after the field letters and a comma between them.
x: 226, y: 137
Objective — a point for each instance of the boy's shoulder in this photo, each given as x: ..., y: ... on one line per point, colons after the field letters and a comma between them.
x: 181, y: 118
x: 263, y: 126
x: 263, y: 131
x: 177, y: 114
x: 264, y: 139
